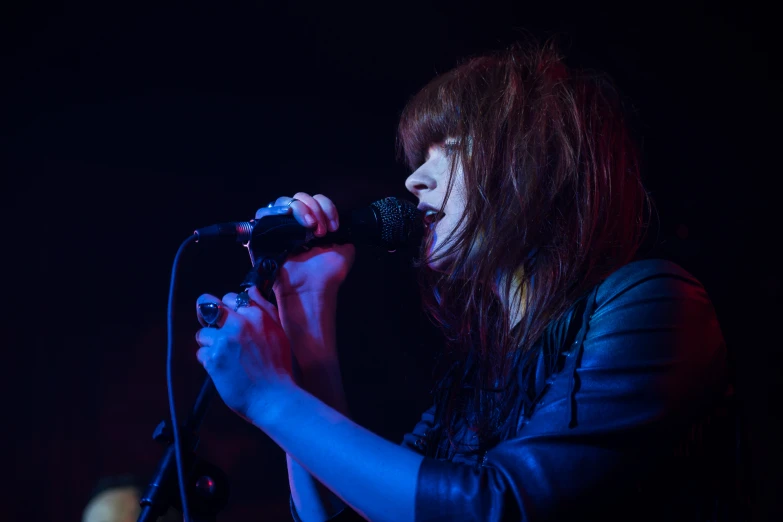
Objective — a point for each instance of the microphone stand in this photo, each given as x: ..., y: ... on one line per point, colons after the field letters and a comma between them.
x: 208, y: 486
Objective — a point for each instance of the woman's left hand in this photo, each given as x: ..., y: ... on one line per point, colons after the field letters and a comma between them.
x: 247, y: 353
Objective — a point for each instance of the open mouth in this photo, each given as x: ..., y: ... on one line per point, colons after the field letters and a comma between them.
x: 432, y: 216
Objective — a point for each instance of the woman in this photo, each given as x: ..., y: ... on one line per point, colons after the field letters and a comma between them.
x: 575, y: 375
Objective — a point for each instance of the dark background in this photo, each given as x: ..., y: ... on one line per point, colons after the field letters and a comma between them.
x: 124, y: 127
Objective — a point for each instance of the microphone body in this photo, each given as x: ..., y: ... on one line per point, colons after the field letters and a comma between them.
x: 389, y: 223
x: 239, y: 230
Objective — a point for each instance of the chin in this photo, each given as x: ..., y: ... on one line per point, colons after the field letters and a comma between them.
x: 439, y: 266
x: 446, y: 264
x: 443, y: 264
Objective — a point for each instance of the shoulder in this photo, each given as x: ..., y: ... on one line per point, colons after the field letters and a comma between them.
x: 654, y: 309
x: 648, y: 278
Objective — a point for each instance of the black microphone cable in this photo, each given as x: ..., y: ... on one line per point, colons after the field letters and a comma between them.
x: 170, y: 380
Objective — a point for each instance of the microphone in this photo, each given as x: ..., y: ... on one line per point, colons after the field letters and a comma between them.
x: 390, y: 223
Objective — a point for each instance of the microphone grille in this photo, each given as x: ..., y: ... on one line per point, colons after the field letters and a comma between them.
x: 401, y: 222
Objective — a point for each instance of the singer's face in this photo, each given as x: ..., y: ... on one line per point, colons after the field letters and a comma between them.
x: 429, y: 183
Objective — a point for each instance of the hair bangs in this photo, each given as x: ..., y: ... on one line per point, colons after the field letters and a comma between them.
x: 429, y: 118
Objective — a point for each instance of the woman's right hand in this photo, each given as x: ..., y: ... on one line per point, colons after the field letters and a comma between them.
x: 321, y: 270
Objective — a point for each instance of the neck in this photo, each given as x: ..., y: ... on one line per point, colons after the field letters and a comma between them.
x: 512, y: 296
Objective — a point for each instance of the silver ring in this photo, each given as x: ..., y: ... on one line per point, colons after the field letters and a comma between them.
x: 272, y: 204
x: 243, y: 300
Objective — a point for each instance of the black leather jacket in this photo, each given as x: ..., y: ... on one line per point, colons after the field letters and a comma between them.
x: 629, y: 425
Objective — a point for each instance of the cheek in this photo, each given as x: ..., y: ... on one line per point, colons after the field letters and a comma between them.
x: 439, y: 235
x: 449, y: 224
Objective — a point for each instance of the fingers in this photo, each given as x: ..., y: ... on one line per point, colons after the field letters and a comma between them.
x: 210, y: 355
x: 311, y: 211
x: 216, y: 315
x: 318, y: 212
x: 231, y: 301
x: 210, y: 311
x: 276, y: 210
x: 329, y: 211
x: 214, y: 330
x: 204, y: 356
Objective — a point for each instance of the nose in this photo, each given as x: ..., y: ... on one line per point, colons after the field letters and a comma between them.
x: 419, y: 182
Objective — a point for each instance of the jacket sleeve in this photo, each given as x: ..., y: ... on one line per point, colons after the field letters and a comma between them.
x: 652, y: 358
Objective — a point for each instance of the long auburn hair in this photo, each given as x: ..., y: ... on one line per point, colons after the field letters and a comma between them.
x: 555, y: 203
